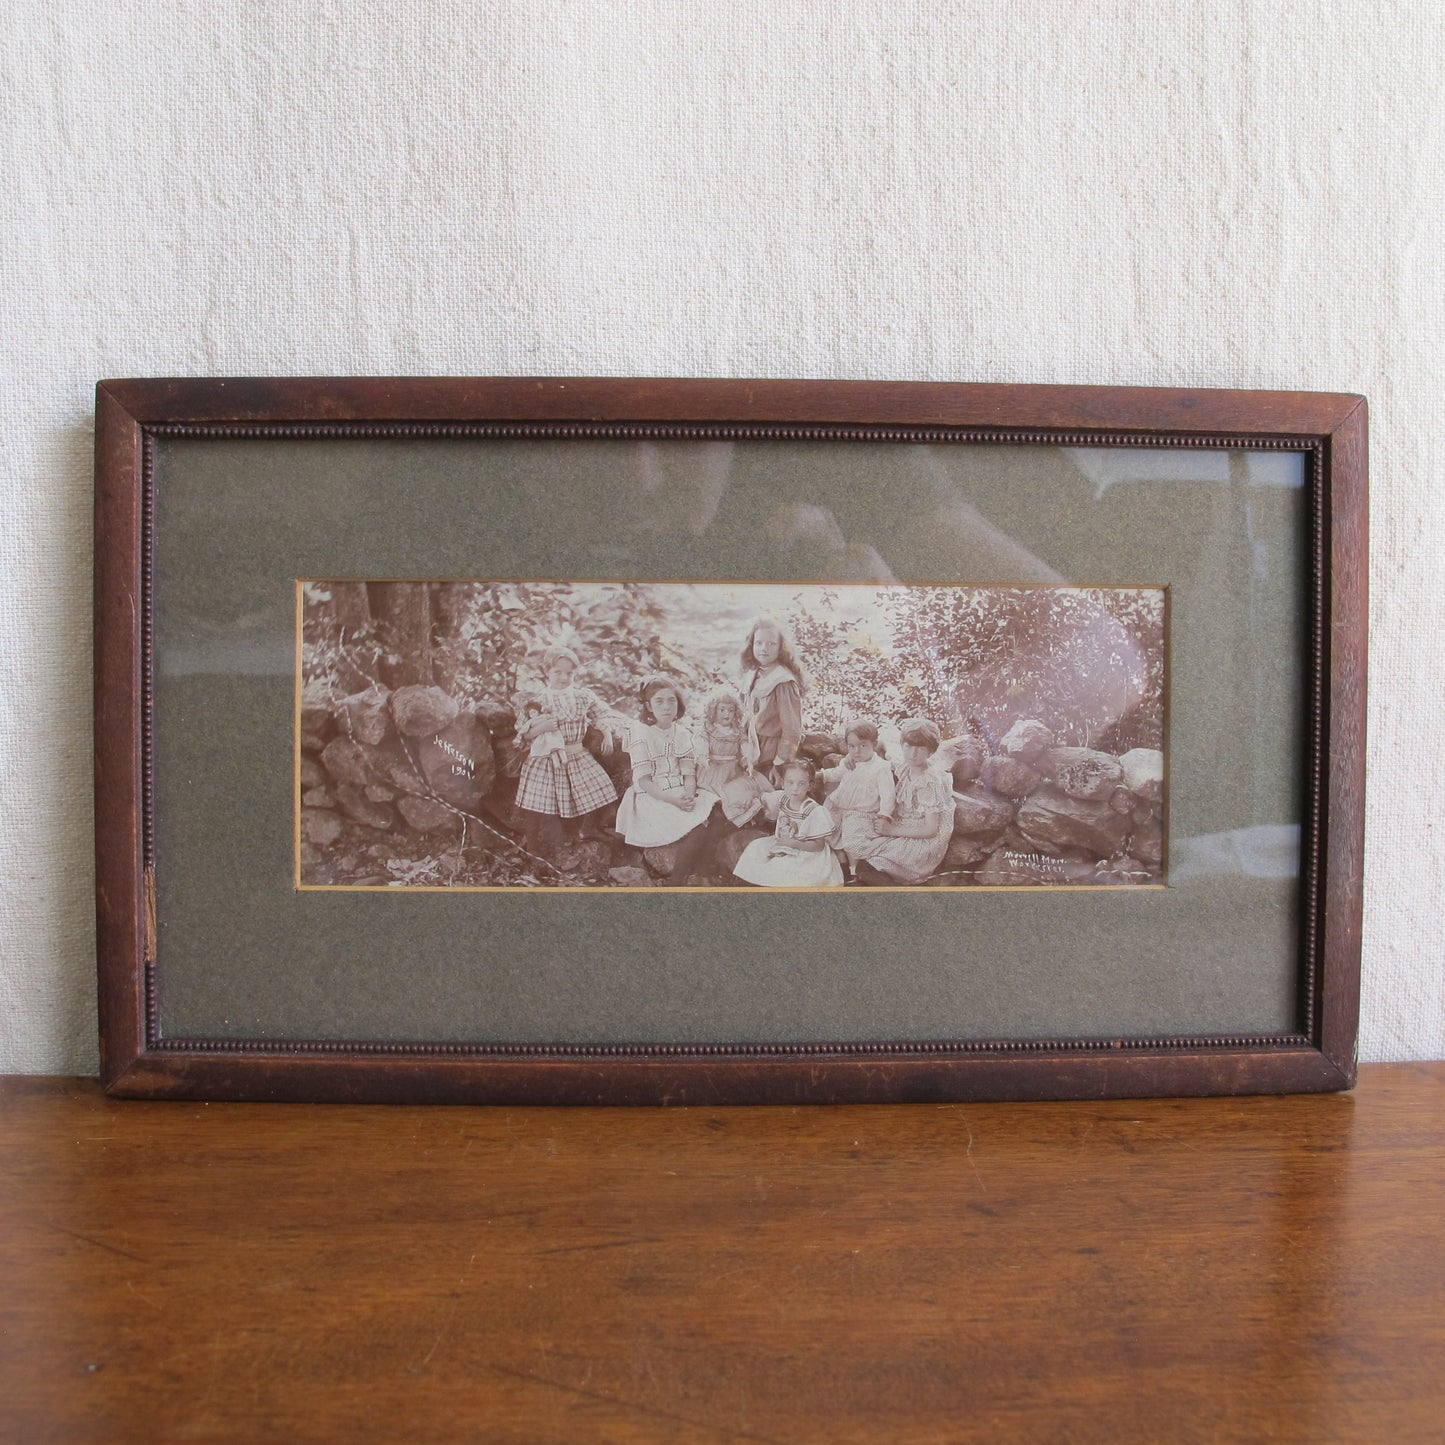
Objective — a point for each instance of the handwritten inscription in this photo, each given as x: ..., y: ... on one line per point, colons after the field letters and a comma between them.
x: 462, y: 765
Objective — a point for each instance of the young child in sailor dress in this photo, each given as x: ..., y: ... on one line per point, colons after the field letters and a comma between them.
x: 799, y: 854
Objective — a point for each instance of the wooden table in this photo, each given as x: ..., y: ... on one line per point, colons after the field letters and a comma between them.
x: 1178, y: 1270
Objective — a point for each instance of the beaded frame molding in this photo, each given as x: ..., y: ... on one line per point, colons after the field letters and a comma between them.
x: 140, y: 1059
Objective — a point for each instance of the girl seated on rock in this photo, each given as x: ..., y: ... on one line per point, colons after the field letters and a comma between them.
x: 909, y: 846
x: 664, y: 805
x: 863, y: 790
x: 799, y: 854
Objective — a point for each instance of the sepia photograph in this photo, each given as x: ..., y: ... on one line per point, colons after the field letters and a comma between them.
x: 706, y: 735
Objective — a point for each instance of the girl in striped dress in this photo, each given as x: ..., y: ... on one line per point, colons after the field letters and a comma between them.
x: 664, y: 803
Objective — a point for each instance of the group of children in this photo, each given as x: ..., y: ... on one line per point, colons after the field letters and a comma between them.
x: 739, y: 768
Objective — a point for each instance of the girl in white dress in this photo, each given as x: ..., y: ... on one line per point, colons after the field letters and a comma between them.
x: 664, y: 803
x: 863, y: 790
x: 907, y: 848
x: 798, y: 855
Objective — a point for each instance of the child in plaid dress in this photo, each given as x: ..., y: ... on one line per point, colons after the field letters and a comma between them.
x: 560, y: 786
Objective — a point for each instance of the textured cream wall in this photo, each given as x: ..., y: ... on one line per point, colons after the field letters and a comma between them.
x: 1231, y: 194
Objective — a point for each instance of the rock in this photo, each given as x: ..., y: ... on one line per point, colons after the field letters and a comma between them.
x: 586, y: 858
x: 419, y: 711
x: 616, y: 764
x: 964, y: 757
x: 1009, y: 776
x: 958, y: 878
x: 313, y: 775
x: 631, y: 877
x: 732, y: 846
x: 317, y: 721
x: 978, y: 814
x: 1144, y: 773
x: 1147, y: 842
x: 1126, y: 870
x: 346, y: 761
x: 1013, y: 838
x: 1084, y: 773
x: 497, y: 717
x: 320, y: 827
x: 426, y: 815
x: 317, y: 798
x: 379, y: 794
x: 457, y: 761
x: 965, y: 853
x: 1026, y: 741
x: 394, y: 762
x: 817, y: 746
x: 661, y: 861
x: 1051, y: 819
x: 366, y: 715
x: 1010, y: 868
x: 501, y: 807
x: 357, y: 806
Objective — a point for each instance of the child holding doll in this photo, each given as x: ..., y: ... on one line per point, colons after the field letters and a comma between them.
x: 723, y: 772
x: 562, y: 785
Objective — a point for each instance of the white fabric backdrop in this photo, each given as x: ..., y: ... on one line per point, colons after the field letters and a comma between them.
x: 1235, y: 194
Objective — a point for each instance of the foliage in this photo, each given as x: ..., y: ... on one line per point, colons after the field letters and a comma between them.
x: 849, y: 673
x: 488, y: 638
x: 1086, y: 662
x: 499, y: 631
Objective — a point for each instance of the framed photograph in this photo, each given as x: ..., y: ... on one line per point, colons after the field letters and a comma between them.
x: 637, y: 741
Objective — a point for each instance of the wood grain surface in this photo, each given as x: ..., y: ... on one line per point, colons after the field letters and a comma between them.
x: 1173, y: 1270
x: 262, y: 400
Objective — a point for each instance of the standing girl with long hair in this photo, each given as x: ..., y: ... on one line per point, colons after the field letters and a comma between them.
x: 772, y: 700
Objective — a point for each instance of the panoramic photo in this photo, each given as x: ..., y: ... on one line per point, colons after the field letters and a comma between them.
x: 803, y: 736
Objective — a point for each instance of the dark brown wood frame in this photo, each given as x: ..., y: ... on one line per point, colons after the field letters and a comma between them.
x: 136, y: 1062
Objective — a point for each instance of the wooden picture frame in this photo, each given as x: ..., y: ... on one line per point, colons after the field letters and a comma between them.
x: 213, y: 985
